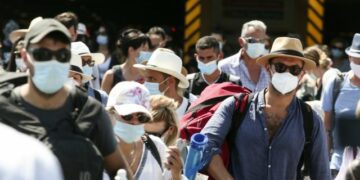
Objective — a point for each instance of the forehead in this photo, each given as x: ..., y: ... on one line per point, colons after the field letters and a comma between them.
x: 152, y: 73
x: 255, y: 32
x: 288, y: 61
x: 206, y: 52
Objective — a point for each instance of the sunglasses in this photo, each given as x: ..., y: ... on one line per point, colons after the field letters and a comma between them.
x: 294, y: 70
x: 142, y: 117
x: 91, y: 63
x: 254, y: 40
x: 44, y: 54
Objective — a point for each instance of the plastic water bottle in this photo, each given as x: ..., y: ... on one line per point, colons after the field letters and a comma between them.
x: 194, y: 159
x: 120, y: 175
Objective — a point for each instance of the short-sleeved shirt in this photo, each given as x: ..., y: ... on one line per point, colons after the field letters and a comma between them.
x: 234, y: 65
x: 345, y: 106
x: 101, y: 135
x: 197, y: 82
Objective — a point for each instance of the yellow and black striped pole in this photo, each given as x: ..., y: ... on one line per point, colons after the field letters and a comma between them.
x: 315, y: 24
x: 192, y: 26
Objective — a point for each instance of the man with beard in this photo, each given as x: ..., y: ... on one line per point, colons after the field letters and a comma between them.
x: 271, y: 138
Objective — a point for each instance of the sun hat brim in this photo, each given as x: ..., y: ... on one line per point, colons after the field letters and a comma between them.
x: 184, y: 83
x: 126, y: 109
x: 352, y: 52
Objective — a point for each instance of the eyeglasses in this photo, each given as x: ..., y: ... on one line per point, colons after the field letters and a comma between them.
x: 254, y: 40
x: 44, y: 54
x: 91, y: 63
x: 142, y: 117
x: 294, y: 70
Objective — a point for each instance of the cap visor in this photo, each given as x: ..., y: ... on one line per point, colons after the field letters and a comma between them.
x: 126, y: 109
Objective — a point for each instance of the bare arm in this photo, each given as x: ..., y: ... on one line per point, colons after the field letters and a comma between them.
x: 116, y: 161
x: 217, y: 170
x: 327, y: 125
x: 107, y: 81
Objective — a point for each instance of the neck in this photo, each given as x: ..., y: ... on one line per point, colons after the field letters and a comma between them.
x: 278, y: 100
x: 129, y: 62
x: 354, y: 79
x: 171, y: 93
x: 212, y: 77
x: 44, y: 101
x: 249, y: 62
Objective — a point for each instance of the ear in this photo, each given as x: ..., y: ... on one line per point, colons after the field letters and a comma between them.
x: 196, y: 55
x: 24, y: 55
x: 242, y: 42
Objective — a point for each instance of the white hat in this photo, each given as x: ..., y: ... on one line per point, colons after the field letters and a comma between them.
x: 166, y: 61
x: 15, y: 35
x: 82, y: 50
x: 129, y: 97
x: 76, y: 67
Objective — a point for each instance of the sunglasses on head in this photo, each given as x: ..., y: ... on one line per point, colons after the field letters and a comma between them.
x: 142, y: 117
x: 294, y: 70
x: 44, y: 54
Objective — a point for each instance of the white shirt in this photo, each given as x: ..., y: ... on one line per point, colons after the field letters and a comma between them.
x: 23, y: 157
x: 180, y: 111
x: 149, y: 167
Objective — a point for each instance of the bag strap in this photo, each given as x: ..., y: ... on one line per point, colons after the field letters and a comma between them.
x: 97, y: 95
x: 308, y: 125
x: 338, y: 84
x: 118, y: 76
x: 79, y: 100
x: 191, y: 78
x: 238, y: 115
x: 152, y: 147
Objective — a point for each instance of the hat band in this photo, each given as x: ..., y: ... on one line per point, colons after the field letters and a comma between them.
x: 288, y: 52
x: 75, y: 68
x: 354, y: 50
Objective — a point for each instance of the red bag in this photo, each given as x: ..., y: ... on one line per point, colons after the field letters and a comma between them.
x: 201, y: 110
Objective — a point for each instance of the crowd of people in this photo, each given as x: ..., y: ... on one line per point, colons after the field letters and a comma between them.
x: 98, y: 112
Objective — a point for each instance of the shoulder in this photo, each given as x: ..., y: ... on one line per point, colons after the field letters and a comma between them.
x: 229, y: 60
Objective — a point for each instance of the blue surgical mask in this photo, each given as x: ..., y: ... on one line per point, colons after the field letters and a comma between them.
x: 143, y: 56
x: 128, y: 132
x: 154, y: 87
x: 102, y: 39
x: 336, y: 53
x: 87, y: 70
x: 255, y: 50
x: 20, y: 64
x: 50, y: 76
x: 207, y: 68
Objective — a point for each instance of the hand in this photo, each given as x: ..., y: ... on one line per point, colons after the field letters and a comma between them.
x: 173, y: 162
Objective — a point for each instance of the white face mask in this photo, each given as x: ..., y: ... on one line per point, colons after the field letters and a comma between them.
x: 207, y: 68
x: 50, y: 76
x: 154, y: 87
x: 255, y: 50
x: 128, y: 132
x: 284, y: 82
x: 355, y: 68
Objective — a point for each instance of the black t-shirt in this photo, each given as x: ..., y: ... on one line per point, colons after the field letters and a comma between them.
x: 101, y: 134
x: 197, y: 82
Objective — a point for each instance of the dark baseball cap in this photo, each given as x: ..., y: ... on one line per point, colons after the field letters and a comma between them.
x: 42, y: 28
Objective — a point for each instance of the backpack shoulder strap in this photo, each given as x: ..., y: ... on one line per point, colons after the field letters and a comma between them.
x: 152, y: 147
x: 118, y: 76
x: 97, y: 95
x: 191, y: 78
x: 238, y: 115
x: 308, y: 123
x: 338, y: 84
x: 79, y: 100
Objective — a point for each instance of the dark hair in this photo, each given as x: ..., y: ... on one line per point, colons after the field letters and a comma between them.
x: 68, y: 19
x: 208, y: 42
x: 130, y: 38
x: 11, y: 66
x: 57, y: 36
x: 158, y: 31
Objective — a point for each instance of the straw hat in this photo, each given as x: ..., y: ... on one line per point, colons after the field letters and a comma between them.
x: 287, y: 47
